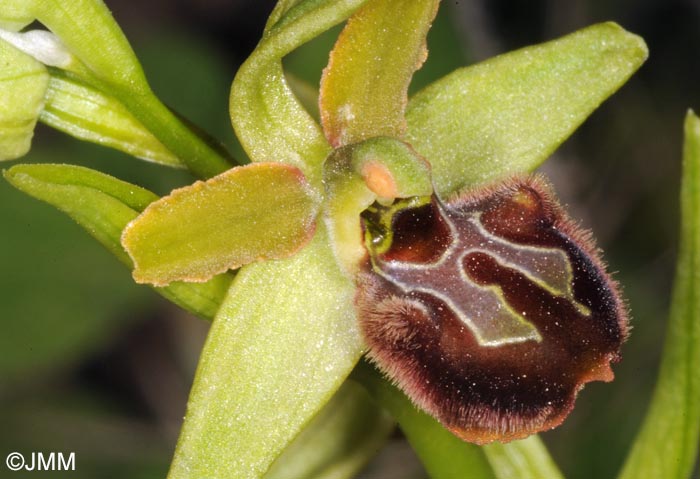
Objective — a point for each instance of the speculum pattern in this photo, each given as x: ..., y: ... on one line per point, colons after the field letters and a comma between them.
x: 490, y: 310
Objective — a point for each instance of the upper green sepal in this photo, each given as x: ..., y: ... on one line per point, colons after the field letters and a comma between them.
x: 508, y: 114
x: 104, y: 205
x: 364, y: 88
x: 250, y: 213
x: 269, y: 120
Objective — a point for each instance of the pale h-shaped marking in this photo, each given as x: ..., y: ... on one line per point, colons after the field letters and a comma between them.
x: 483, y: 309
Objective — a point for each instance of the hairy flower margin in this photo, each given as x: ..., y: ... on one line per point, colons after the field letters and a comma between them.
x: 285, y: 334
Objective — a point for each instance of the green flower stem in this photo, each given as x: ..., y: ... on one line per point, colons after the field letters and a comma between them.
x: 88, y: 30
x: 667, y: 445
x: 525, y: 459
x: 443, y: 455
x: 339, y: 441
x: 202, y: 158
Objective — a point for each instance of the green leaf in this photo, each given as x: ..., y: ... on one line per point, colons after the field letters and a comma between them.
x: 104, y: 206
x: 269, y: 120
x: 364, y: 88
x: 249, y: 213
x: 525, y: 459
x: 283, y: 341
x: 23, y: 82
x: 667, y: 445
x: 508, y: 114
x: 442, y: 453
x: 87, y: 113
x: 338, y: 441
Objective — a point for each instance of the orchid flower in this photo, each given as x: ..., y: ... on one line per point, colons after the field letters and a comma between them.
x: 405, y: 229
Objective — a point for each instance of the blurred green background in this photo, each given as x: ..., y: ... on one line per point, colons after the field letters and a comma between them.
x: 91, y: 363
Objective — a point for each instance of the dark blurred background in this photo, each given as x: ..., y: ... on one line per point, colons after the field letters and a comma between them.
x: 91, y: 363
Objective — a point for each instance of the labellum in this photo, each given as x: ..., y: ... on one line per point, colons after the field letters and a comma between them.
x: 490, y: 310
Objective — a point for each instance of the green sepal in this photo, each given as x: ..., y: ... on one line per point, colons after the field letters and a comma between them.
x: 104, y: 205
x: 667, y: 444
x: 364, y: 89
x: 269, y: 120
x: 338, y: 441
x: 508, y: 114
x: 284, y: 340
x: 23, y: 83
x: 89, y: 114
x: 255, y: 212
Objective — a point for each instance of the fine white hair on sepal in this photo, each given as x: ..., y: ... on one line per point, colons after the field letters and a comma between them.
x: 43, y: 45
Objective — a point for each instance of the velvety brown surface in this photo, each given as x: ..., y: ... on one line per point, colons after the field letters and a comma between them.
x: 416, y: 329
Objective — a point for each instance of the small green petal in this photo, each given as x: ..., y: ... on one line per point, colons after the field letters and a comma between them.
x: 338, y: 441
x: 508, y: 114
x: 667, y: 445
x: 103, y: 206
x: 87, y: 113
x: 269, y: 120
x: 249, y: 213
x: 283, y: 341
x: 364, y: 88
x: 23, y: 82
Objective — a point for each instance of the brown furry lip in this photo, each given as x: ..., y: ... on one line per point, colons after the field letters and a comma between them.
x: 491, y: 310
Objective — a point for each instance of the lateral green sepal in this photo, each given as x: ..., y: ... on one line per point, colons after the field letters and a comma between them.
x: 508, y: 114
x: 104, y: 205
